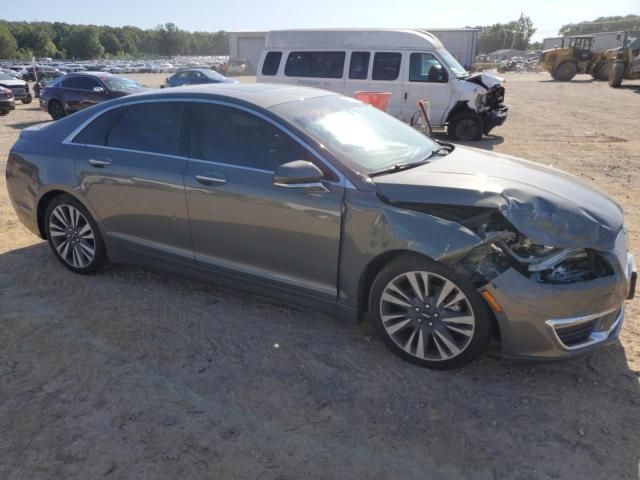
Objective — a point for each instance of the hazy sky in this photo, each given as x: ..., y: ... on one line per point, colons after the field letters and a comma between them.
x: 212, y: 15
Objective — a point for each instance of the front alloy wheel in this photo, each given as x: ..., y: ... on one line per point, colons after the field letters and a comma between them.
x: 428, y: 316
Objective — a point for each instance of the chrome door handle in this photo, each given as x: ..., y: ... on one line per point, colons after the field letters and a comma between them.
x: 99, y: 163
x: 210, y: 180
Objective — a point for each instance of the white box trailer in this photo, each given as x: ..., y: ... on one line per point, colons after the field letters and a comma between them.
x: 411, y: 65
x: 461, y: 42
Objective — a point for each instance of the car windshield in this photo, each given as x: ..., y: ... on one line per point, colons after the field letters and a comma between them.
x: 119, y: 84
x: 453, y: 64
x: 359, y: 135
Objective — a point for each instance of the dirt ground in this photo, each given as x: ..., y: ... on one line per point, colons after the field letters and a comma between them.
x: 135, y: 374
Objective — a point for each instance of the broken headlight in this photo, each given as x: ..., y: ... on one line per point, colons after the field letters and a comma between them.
x: 553, y: 265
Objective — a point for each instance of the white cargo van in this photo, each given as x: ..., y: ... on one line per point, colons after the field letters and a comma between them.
x: 412, y: 65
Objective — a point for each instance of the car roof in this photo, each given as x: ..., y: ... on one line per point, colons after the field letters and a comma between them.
x: 90, y: 74
x: 260, y: 94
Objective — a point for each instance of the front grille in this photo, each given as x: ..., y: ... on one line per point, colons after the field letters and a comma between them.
x: 18, y: 90
x: 576, y: 334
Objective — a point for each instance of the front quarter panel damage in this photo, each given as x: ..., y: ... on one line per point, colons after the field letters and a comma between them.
x: 372, y: 228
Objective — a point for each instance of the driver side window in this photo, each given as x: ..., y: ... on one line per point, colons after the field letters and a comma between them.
x: 424, y: 67
x: 232, y: 136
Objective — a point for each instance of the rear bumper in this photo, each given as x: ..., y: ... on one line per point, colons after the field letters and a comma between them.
x: 494, y: 117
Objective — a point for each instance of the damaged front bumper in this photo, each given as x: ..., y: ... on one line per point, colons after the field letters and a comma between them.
x: 494, y: 117
x: 548, y: 322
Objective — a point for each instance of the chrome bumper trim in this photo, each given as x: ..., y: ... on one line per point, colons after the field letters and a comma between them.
x: 595, y: 337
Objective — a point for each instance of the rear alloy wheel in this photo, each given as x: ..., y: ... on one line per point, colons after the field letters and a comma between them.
x: 427, y: 315
x: 73, y: 235
x: 27, y: 100
x: 616, y: 74
x: 565, y: 72
x: 56, y: 110
x: 465, y: 127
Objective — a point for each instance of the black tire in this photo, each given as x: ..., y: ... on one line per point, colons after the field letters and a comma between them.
x: 465, y: 127
x: 601, y: 71
x: 27, y: 100
x: 56, y: 110
x: 565, y: 72
x: 52, y: 226
x: 616, y: 75
x: 474, y: 307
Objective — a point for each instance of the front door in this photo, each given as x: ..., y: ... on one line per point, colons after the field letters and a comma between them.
x: 244, y: 225
x: 426, y: 78
x: 132, y: 174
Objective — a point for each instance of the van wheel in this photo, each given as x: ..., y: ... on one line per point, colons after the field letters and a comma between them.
x: 465, y: 127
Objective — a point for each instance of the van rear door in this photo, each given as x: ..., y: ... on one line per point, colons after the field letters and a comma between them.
x: 425, y: 77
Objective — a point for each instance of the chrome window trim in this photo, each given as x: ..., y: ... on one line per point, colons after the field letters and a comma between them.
x: 342, y: 180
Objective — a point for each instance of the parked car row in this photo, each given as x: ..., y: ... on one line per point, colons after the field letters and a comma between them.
x: 220, y: 64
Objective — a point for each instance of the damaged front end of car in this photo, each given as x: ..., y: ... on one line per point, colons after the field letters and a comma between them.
x: 555, y: 270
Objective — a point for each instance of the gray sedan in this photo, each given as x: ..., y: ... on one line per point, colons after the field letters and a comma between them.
x: 318, y: 199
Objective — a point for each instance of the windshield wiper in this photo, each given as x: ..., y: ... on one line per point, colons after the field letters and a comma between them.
x: 398, y: 167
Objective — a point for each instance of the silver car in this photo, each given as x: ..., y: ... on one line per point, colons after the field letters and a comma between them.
x: 319, y: 199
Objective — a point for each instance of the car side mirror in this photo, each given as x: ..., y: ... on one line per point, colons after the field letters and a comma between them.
x: 300, y: 174
x: 98, y: 90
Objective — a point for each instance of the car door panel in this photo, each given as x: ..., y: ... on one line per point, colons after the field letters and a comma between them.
x: 139, y: 195
x: 242, y: 222
x: 417, y: 87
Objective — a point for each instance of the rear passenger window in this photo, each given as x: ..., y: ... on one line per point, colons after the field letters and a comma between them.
x: 271, y: 63
x: 149, y: 127
x: 96, y: 132
x: 315, y: 64
x: 359, y: 66
x: 228, y: 135
x: 386, y: 66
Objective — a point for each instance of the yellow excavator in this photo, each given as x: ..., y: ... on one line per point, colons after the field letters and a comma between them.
x: 565, y: 62
x: 625, y: 60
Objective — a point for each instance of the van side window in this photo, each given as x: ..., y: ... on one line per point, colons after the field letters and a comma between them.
x: 386, y: 66
x: 271, y: 63
x: 315, y: 64
x: 359, y: 66
x: 424, y: 67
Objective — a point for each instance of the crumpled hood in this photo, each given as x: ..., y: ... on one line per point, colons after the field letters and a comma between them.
x: 547, y: 205
x: 487, y: 80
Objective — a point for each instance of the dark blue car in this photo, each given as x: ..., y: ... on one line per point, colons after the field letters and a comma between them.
x: 196, y: 76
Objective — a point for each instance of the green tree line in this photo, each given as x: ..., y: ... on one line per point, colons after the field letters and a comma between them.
x: 602, y: 24
x: 23, y: 40
x: 515, y: 34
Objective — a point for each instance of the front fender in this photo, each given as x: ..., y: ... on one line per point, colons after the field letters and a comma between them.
x: 372, y: 228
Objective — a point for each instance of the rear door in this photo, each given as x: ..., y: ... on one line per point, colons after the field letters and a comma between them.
x: 426, y: 78
x: 385, y: 77
x: 244, y: 225
x: 132, y: 174
x: 71, y: 93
